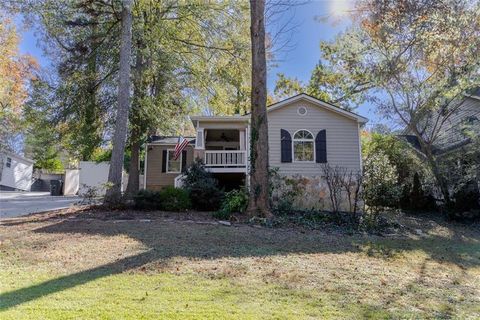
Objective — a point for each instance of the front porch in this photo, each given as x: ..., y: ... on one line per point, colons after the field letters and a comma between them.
x: 225, y: 161
x: 222, y: 145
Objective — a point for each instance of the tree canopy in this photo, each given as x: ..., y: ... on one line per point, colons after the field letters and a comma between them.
x: 16, y: 70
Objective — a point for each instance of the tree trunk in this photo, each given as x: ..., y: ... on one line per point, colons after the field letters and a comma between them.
x: 114, y: 194
x: 258, y: 203
x: 134, y: 170
x: 136, y: 124
x: 442, y: 183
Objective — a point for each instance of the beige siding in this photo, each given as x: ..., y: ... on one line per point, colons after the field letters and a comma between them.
x: 342, y: 137
x: 155, y: 178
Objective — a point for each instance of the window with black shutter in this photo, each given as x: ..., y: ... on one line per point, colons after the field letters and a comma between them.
x: 321, y: 146
x: 286, y: 146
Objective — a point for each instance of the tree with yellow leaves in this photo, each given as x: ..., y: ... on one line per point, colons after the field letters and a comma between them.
x: 16, y: 70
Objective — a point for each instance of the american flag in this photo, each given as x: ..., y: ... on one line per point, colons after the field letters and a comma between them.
x: 181, y: 144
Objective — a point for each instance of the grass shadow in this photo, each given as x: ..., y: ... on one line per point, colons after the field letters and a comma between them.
x: 166, y: 240
x: 16, y: 297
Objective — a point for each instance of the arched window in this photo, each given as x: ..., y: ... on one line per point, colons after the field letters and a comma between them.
x: 303, y: 146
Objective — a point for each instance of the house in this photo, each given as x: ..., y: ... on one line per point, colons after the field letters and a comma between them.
x: 304, y: 133
x: 15, y: 172
x: 453, y: 133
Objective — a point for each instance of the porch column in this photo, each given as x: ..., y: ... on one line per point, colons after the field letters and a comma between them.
x: 199, y: 151
x: 247, y: 154
x: 200, y: 139
x: 242, y: 138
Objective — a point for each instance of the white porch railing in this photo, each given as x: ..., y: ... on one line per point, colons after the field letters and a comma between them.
x: 230, y: 158
x: 178, y: 182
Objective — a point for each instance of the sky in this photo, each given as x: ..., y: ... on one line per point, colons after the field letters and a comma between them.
x: 297, y: 61
x: 300, y: 60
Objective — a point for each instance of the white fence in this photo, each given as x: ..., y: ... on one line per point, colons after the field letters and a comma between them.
x: 71, y: 182
x: 91, y: 174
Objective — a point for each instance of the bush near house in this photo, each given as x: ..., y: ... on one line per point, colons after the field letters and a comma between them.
x: 381, y: 188
x: 147, y: 200
x: 404, y: 182
x: 200, y: 192
x: 202, y: 188
x: 169, y: 199
x: 174, y: 199
x: 235, y: 201
x: 466, y: 205
x: 415, y: 197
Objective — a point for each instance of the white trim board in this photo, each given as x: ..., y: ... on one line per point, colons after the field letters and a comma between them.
x: 318, y: 103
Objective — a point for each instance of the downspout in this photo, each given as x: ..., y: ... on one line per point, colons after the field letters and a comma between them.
x: 145, y: 167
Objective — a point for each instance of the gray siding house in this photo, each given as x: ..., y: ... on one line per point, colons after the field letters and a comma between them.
x: 452, y: 135
x: 304, y: 133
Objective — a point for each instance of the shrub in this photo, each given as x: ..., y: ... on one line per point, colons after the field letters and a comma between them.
x: 414, y: 197
x: 407, y: 182
x: 466, y: 205
x: 235, y: 201
x: 147, y: 200
x: 202, y: 187
x: 174, y: 199
x: 381, y: 188
x: 89, y: 195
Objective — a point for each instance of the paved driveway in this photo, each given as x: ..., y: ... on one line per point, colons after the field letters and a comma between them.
x: 15, y: 204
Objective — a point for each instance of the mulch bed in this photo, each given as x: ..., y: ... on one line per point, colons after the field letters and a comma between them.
x: 403, y: 224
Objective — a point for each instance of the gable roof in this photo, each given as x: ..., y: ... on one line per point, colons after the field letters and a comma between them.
x: 475, y: 94
x: 15, y: 155
x: 415, y: 144
x: 318, y: 103
x: 451, y: 134
x: 281, y: 104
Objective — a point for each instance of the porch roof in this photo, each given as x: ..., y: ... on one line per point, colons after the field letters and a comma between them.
x: 168, y: 140
x: 234, y: 118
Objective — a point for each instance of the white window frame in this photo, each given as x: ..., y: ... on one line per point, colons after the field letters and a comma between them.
x: 303, y: 140
x: 168, y: 160
x: 8, y: 163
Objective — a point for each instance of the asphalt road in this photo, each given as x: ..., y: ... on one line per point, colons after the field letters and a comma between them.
x: 16, y: 204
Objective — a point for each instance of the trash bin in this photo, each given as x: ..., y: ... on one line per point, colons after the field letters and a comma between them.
x: 56, y: 187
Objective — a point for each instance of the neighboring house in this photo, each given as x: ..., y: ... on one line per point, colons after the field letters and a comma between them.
x: 15, y: 172
x: 453, y: 133
x: 303, y: 134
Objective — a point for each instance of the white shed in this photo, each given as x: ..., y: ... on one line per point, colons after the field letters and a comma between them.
x: 15, y: 172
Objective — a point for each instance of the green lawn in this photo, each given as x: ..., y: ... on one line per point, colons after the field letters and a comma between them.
x: 77, y: 268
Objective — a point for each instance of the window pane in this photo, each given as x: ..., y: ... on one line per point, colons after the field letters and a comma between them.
x: 303, y: 150
x: 297, y: 151
x: 303, y: 134
x: 308, y: 151
x: 173, y: 165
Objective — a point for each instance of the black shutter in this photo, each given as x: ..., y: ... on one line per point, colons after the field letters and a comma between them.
x: 286, y: 145
x: 164, y: 161
x: 321, y: 146
x: 184, y: 160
